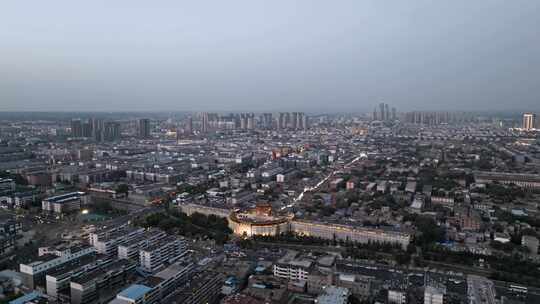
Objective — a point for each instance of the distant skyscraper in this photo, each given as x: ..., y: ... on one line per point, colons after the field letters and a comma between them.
x: 386, y: 112
x: 76, y: 128
x: 204, y: 122
x: 294, y: 121
x: 189, y: 125
x: 87, y: 129
x: 300, y: 120
x: 267, y: 120
x: 250, y: 121
x: 243, y: 121
x: 287, y: 120
x: 436, y: 118
x: 381, y: 112
x: 281, y: 121
x: 111, y: 131
x: 97, y: 129
x: 394, y: 115
x: 529, y: 121
x: 144, y: 128
x: 305, y: 122
x: 375, y: 114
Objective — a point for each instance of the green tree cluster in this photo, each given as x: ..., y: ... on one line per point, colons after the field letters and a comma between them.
x: 196, y: 225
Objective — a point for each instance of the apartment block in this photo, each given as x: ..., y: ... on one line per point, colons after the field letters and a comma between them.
x: 350, y: 233
x: 34, y: 273
x: 166, y: 249
x: 159, y: 287
x: 292, y: 267
x: 64, y: 203
x: 101, y: 284
x: 109, y: 242
x: 130, y: 250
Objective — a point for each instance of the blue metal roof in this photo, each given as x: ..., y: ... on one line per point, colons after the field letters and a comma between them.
x: 135, y: 291
x: 26, y: 298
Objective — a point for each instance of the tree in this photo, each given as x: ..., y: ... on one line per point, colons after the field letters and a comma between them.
x: 403, y: 258
x: 123, y: 188
x: 17, y: 178
x: 431, y: 232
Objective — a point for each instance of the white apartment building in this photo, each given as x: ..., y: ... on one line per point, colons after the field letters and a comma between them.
x: 292, y: 268
x: 50, y: 260
x: 351, y: 233
x: 397, y: 297
x: 130, y: 249
x: 433, y: 295
x: 167, y: 249
x: 108, y: 244
x: 64, y: 203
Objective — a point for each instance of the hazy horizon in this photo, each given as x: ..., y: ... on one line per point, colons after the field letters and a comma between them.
x: 269, y: 56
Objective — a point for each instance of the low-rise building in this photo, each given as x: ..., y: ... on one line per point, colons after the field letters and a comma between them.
x: 159, y: 287
x: 7, y: 184
x: 205, y: 287
x: 34, y: 273
x: 334, y: 295
x: 397, y: 297
x: 519, y: 179
x: 9, y: 229
x: 101, y: 284
x: 433, y: 295
x: 292, y: 267
x: 531, y: 242
x: 358, y: 285
x: 64, y: 203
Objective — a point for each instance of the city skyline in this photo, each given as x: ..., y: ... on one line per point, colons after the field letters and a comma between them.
x: 270, y: 152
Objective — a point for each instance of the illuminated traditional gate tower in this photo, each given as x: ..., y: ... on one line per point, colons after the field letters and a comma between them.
x: 259, y: 221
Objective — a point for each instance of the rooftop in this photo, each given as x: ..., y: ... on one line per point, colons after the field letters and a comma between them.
x: 65, y: 197
x: 134, y: 292
x: 334, y: 295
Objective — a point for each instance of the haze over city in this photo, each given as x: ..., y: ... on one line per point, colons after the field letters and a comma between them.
x: 269, y: 56
x: 276, y: 152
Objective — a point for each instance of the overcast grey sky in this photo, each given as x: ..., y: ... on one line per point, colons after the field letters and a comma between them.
x: 104, y: 55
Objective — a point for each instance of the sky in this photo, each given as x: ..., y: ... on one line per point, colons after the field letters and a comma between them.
x: 306, y: 55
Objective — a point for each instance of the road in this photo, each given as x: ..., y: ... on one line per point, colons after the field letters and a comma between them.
x: 320, y: 183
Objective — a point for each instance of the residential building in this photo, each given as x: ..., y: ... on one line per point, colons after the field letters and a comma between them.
x: 34, y: 273
x: 480, y: 290
x: 102, y: 283
x: 64, y: 203
x: 520, y: 179
x: 9, y: 229
x: 144, y: 128
x: 130, y: 250
x: 158, y: 288
x: 529, y: 121
x: 292, y: 267
x: 108, y: 243
x: 334, y: 295
x: 350, y: 233
x: 166, y: 249
x: 531, y: 242
x: 397, y: 297
x: 433, y: 295
x: 205, y: 287
x: 7, y: 184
